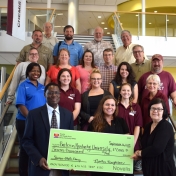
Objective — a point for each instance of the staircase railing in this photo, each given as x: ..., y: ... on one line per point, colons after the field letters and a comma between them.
x: 7, y: 119
x: 154, y: 24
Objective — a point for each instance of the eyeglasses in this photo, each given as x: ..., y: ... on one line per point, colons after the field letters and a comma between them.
x: 33, y: 54
x: 54, y: 92
x: 150, y: 83
x: 156, y: 109
x: 135, y: 52
x: 94, y: 79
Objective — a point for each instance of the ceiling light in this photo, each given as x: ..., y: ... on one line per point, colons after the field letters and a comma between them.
x: 105, y: 28
x: 57, y: 26
x: 102, y: 22
x: 99, y: 16
x: 150, y: 23
x: 41, y: 15
x: 108, y: 33
x: 63, y: 26
x: 155, y: 11
x: 59, y: 14
x: 137, y: 15
x: 167, y: 19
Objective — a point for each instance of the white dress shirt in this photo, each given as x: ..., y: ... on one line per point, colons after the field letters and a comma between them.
x: 50, y: 113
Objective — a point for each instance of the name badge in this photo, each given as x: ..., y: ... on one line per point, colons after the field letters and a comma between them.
x: 131, y: 113
x: 70, y: 97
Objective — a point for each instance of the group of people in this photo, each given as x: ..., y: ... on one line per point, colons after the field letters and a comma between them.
x: 58, y: 85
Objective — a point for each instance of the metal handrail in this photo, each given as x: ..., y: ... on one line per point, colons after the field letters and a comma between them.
x: 3, y: 113
x: 148, y: 13
x: 4, y: 89
x: 172, y: 122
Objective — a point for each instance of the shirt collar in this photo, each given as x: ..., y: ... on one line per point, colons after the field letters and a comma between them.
x: 28, y: 80
x: 97, y: 41
x: 70, y: 88
x: 50, y: 109
x: 108, y: 66
x: 142, y: 62
x: 127, y: 46
x: 73, y: 42
x: 37, y: 47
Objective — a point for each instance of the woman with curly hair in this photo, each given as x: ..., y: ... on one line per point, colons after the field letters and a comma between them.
x: 124, y: 74
x: 106, y: 121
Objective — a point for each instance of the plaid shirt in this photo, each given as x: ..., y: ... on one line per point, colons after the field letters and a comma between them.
x: 108, y: 74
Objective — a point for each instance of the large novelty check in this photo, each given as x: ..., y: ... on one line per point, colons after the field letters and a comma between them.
x: 89, y: 151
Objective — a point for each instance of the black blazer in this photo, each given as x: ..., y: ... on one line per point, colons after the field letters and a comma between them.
x: 85, y: 106
x: 36, y: 137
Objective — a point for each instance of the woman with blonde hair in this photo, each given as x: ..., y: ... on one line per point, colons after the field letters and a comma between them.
x: 63, y: 62
x: 91, y: 98
x: 153, y: 86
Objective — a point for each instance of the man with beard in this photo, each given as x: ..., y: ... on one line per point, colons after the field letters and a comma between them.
x: 75, y: 49
x: 167, y: 86
x: 45, y: 54
x: 97, y: 46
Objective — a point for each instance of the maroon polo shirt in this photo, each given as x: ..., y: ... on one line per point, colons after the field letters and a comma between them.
x: 145, y: 103
x: 132, y: 119
x: 69, y: 98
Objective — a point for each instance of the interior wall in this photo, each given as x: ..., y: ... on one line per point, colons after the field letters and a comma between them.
x: 9, y: 68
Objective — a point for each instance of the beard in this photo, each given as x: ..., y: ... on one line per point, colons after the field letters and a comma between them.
x: 68, y: 37
x: 157, y: 69
x: 38, y: 41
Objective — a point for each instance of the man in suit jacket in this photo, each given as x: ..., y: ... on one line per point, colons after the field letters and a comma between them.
x: 37, y: 130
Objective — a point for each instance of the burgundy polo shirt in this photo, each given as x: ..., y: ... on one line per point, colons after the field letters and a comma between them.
x: 68, y: 100
x: 145, y: 103
x: 132, y: 118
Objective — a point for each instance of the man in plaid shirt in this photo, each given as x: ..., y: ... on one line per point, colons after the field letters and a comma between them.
x: 108, y: 70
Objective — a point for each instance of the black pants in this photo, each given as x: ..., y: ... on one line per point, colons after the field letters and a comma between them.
x: 23, y: 157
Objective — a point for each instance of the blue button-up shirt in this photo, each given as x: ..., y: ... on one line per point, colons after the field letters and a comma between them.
x: 75, y: 49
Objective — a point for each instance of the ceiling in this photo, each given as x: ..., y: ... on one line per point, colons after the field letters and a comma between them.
x: 85, y: 2
x: 89, y: 10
